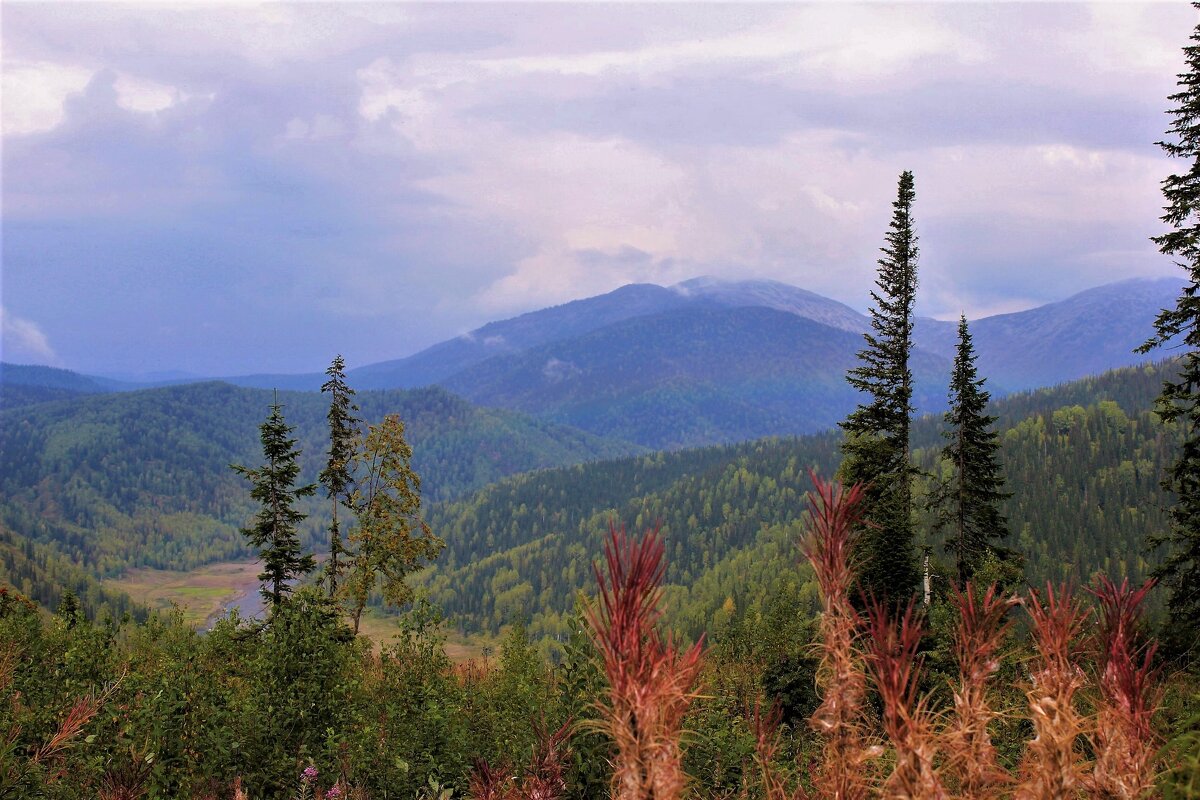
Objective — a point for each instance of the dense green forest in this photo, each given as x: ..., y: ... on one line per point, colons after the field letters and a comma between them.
x: 1087, y: 457
x: 113, y: 481
x: 103, y: 483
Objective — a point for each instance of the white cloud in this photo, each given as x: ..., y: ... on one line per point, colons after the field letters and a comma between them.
x: 144, y: 96
x: 23, y: 341
x: 35, y: 91
x: 556, y: 371
x: 841, y: 42
x: 1129, y: 38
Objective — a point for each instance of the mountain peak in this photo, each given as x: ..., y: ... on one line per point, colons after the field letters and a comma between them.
x: 772, y: 294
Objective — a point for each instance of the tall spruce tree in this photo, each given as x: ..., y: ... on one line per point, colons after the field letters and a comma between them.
x: 336, y: 477
x: 876, y: 447
x: 968, y: 503
x: 1179, y: 401
x: 274, y: 528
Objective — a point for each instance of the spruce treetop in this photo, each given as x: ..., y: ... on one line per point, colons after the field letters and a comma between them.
x: 968, y: 503
x: 876, y: 446
x: 274, y: 527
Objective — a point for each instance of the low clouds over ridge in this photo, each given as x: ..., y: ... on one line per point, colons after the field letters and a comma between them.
x: 234, y: 189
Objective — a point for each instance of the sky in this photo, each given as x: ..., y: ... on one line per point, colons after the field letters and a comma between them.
x: 228, y: 189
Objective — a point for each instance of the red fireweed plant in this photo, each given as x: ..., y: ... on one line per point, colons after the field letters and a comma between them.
x: 847, y: 749
x: 772, y: 784
x: 1052, y: 766
x: 1125, y: 742
x: 650, y: 683
x: 895, y: 668
x: 971, y: 757
x: 545, y: 776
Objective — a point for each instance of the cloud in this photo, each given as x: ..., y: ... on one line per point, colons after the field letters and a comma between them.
x: 144, y: 96
x: 24, y: 342
x: 34, y: 94
x: 296, y: 179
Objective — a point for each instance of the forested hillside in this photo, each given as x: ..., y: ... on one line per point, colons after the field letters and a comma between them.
x: 142, y: 479
x: 691, y: 377
x: 22, y: 385
x: 1084, y: 458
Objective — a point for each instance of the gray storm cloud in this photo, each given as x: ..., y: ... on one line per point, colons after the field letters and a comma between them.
x: 298, y: 180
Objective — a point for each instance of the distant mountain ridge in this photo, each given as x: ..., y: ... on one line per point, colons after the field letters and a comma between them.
x: 25, y: 384
x: 708, y: 360
x: 1085, y: 334
x: 579, y: 317
x: 690, y: 376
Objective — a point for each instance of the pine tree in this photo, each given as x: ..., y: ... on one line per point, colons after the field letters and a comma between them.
x: 969, y: 502
x: 336, y: 477
x: 876, y: 447
x: 1179, y: 401
x: 274, y: 529
x: 391, y: 539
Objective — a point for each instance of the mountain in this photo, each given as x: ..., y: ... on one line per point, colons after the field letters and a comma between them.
x: 690, y: 376
x: 1085, y: 334
x: 773, y: 294
x: 26, y: 384
x: 707, y: 360
x: 1083, y: 459
x: 701, y: 391
x: 142, y: 478
x: 579, y: 317
x: 518, y: 334
x: 52, y: 378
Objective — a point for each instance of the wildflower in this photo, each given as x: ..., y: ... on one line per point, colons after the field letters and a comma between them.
x: 334, y: 793
x: 310, y: 773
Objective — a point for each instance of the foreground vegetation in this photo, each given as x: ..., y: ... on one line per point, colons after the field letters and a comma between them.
x: 955, y: 702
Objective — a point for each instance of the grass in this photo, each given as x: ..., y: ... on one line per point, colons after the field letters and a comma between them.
x: 202, y: 593
x: 381, y: 628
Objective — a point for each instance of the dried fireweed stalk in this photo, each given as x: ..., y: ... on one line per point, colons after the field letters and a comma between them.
x: 971, y: 757
x: 489, y: 782
x: 1052, y: 767
x: 896, y: 669
x: 766, y: 745
x: 847, y: 749
x: 545, y: 778
x: 1125, y: 743
x: 650, y: 681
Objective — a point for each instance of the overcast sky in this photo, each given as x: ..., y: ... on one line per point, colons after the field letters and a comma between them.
x: 224, y: 189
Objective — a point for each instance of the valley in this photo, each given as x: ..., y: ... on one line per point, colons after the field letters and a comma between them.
x: 521, y: 546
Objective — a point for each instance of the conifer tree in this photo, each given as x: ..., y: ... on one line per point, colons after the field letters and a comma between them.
x: 876, y: 447
x: 969, y: 502
x: 336, y: 477
x: 274, y: 528
x: 1180, y: 398
x: 391, y: 539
